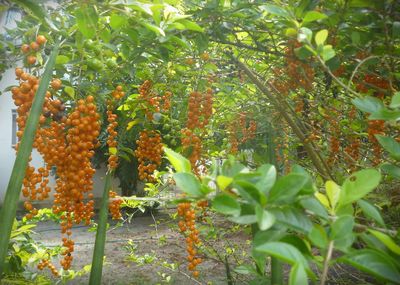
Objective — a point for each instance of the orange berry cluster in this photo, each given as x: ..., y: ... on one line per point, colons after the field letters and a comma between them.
x: 188, y: 227
x: 112, y: 134
x: 33, y: 47
x: 371, y: 80
x: 199, y: 109
x: 46, y: 263
x: 114, y: 206
x: 69, y: 248
x: 148, y: 96
x: 191, y: 141
x: 166, y: 101
x: 376, y: 127
x: 149, y: 154
x: 118, y: 93
x: 246, y: 133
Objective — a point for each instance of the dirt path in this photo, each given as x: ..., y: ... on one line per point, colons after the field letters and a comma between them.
x: 155, y: 245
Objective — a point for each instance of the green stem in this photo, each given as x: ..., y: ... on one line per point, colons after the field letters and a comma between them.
x: 98, y: 253
x: 276, y: 272
x: 9, y: 209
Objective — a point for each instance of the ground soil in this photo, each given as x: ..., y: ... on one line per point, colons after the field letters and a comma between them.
x: 119, y: 269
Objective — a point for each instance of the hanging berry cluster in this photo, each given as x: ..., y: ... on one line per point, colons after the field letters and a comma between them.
x: 112, y: 134
x: 149, y: 154
x: 118, y: 93
x: 114, y: 206
x: 153, y: 101
x: 46, y: 263
x: 242, y: 134
x: 30, y: 49
x: 188, y: 228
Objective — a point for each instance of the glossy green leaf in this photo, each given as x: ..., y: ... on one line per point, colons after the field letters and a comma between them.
x: 117, y: 21
x: 368, y: 104
x: 358, y: 185
x: 249, y: 192
x: 374, y: 262
x: 341, y: 227
x: 292, y: 218
x: 86, y: 19
x: 267, y: 179
x: 386, y: 240
x: 190, y: 25
x: 312, y: 204
x: 391, y: 169
x: 318, y: 236
x: 371, y: 211
x: 386, y: 115
x: 244, y: 220
x: 312, y: 16
x: 321, y: 36
x: 390, y: 145
x: 287, y: 187
x: 328, y: 52
x: 304, y: 35
x: 189, y: 184
x: 265, y: 219
x: 179, y: 162
x: 70, y: 91
x: 62, y: 59
x: 223, y: 182
x: 226, y: 204
x: 154, y: 29
x: 275, y: 10
x: 298, y: 275
x: 395, y: 102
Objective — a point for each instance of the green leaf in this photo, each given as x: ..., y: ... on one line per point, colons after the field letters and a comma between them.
x: 374, y: 262
x: 313, y: 205
x: 86, y: 19
x: 223, y: 182
x: 154, y: 29
x: 312, y: 16
x: 298, y: 275
x: 180, y: 163
x: 141, y: 7
x: 287, y: 187
x: 190, y: 25
x: 286, y: 252
x: 292, y: 218
x: 318, y: 236
x: 275, y: 10
x: 267, y: 179
x: 368, y: 104
x: 371, y: 211
x: 37, y: 11
x: 249, y: 192
x: 244, y: 220
x: 62, y: 59
x: 117, y: 21
x: 70, y: 91
x: 358, y: 185
x: 341, y: 227
x: 396, y: 31
x: 395, y: 103
x: 390, y: 144
x: 321, y: 37
x: 333, y: 192
x: 304, y: 35
x: 385, y: 114
x: 112, y: 150
x: 226, y: 204
x: 133, y: 123
x: 265, y: 219
x: 386, y: 240
x: 189, y: 184
x: 392, y: 170
x: 328, y: 52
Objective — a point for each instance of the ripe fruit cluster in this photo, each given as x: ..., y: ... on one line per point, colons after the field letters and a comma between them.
x: 188, y: 228
x: 149, y: 154
x: 46, y: 263
x: 114, y: 206
x: 199, y: 109
x: 153, y: 101
x: 118, y: 93
x: 112, y: 134
x: 192, y: 141
x: 32, y: 48
x: 242, y: 134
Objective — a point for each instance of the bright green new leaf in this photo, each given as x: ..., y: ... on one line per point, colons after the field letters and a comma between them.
x: 180, y: 163
x: 133, y: 123
x: 321, y: 37
x: 333, y: 192
x: 226, y: 204
x: 190, y: 25
x: 323, y: 199
x: 223, y: 182
x: 298, y: 275
x: 154, y: 29
x: 265, y: 219
x: 267, y: 179
x: 386, y: 240
x: 70, y: 91
x: 189, y: 184
x: 358, y: 185
x: 328, y: 52
x: 62, y: 59
x: 117, y: 21
x: 312, y: 16
x: 112, y: 150
x: 304, y: 35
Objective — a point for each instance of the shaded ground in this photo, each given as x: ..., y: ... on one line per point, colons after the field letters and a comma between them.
x: 154, y: 245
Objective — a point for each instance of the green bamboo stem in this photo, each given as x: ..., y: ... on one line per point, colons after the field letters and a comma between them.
x: 98, y: 253
x: 276, y: 272
x: 9, y: 209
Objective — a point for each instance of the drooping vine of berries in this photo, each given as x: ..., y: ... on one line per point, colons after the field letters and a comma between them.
x: 241, y: 134
x: 153, y: 101
x: 187, y: 227
x: 46, y: 263
x: 30, y: 49
x: 114, y: 206
x: 149, y: 154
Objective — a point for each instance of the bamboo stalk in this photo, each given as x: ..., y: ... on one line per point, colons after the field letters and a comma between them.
x: 98, y: 252
x: 9, y: 209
